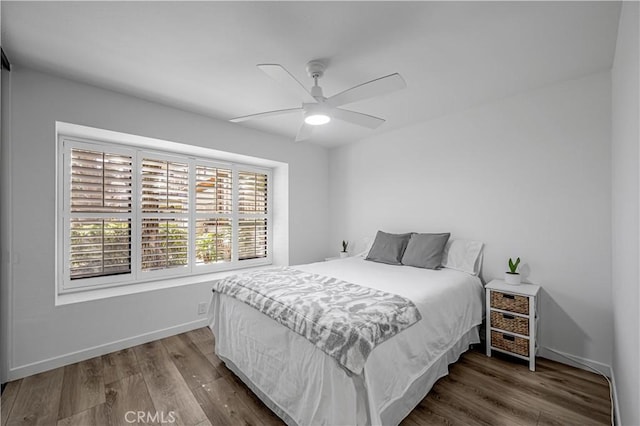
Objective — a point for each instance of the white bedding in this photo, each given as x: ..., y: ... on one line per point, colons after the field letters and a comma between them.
x: 308, y: 386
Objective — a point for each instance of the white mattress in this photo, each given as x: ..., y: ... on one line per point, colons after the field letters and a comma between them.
x: 310, y: 388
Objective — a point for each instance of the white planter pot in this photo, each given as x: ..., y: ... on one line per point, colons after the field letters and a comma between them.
x: 343, y: 254
x: 513, y: 279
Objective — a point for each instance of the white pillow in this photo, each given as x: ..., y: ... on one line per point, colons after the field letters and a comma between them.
x: 367, y: 243
x: 463, y: 255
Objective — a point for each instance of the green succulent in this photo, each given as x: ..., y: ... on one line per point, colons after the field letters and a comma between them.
x: 513, y: 265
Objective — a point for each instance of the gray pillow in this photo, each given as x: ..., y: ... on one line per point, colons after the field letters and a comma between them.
x: 425, y: 250
x: 388, y: 248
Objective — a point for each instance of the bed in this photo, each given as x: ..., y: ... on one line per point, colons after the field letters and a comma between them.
x: 305, y: 386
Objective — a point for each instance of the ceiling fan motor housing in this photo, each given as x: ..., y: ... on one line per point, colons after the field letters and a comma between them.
x: 316, y: 68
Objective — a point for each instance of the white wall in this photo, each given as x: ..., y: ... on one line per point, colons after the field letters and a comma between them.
x: 5, y: 179
x: 4, y: 267
x: 43, y: 336
x: 625, y: 214
x: 529, y: 175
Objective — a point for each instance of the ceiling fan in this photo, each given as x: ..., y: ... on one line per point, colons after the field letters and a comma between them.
x: 318, y: 110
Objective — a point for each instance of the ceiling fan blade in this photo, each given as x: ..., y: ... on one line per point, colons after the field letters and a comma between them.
x: 286, y: 79
x: 304, y: 132
x: 357, y: 118
x: 264, y: 114
x: 379, y: 86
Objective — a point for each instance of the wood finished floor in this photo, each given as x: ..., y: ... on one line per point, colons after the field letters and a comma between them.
x: 181, y: 374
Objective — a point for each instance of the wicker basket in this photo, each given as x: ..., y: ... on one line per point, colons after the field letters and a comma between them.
x: 509, y: 343
x: 510, y: 323
x: 510, y: 302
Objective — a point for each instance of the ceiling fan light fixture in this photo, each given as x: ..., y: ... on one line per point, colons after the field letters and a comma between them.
x: 317, y: 119
x: 316, y: 114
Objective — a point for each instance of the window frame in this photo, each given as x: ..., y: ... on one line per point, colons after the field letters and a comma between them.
x: 65, y: 215
x: 65, y: 143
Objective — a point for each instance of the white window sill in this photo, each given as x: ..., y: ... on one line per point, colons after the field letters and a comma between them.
x: 161, y: 284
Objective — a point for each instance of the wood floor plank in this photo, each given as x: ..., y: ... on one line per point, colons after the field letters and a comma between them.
x: 38, y: 400
x: 82, y: 388
x: 424, y: 414
x: 559, y: 419
x: 571, y: 371
x: 167, y: 388
x: 192, y: 364
x: 96, y: 415
x: 438, y: 402
x: 534, y: 385
x: 258, y: 407
x: 566, y: 392
x: 8, y: 398
x: 218, y: 364
x: 205, y: 341
x: 130, y: 394
x: 118, y: 365
x: 483, y: 393
x: 477, y: 406
x: 200, y: 335
x: 412, y: 421
x: 593, y: 384
x: 224, y: 406
x: 205, y: 346
x: 511, y: 393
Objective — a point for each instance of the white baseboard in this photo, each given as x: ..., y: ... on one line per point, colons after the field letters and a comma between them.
x: 84, y: 354
x: 574, y: 360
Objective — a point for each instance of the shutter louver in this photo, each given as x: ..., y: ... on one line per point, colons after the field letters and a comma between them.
x: 252, y: 197
x: 100, y: 247
x: 213, y: 190
x: 165, y: 243
x: 165, y: 186
x: 213, y: 240
x: 252, y: 239
x: 100, y: 182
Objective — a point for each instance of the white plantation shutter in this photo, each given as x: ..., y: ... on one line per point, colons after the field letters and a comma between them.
x: 252, y: 214
x: 214, y: 208
x: 165, y: 208
x: 213, y: 241
x: 130, y: 215
x: 100, y: 213
x: 252, y: 240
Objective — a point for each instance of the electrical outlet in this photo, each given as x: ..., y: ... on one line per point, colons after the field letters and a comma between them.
x: 202, y: 308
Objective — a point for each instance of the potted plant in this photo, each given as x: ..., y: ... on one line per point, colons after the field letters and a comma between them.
x: 344, y: 253
x: 512, y: 277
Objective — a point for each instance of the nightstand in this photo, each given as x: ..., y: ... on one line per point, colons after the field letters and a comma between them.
x: 512, y: 317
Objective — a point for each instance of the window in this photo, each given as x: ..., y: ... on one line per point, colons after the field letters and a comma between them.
x: 131, y: 215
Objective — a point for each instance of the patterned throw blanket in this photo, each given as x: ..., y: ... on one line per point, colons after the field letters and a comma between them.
x: 344, y: 320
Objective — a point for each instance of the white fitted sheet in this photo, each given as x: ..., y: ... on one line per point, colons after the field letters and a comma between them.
x: 310, y: 388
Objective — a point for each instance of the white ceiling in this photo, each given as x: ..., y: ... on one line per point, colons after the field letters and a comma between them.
x: 201, y: 56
